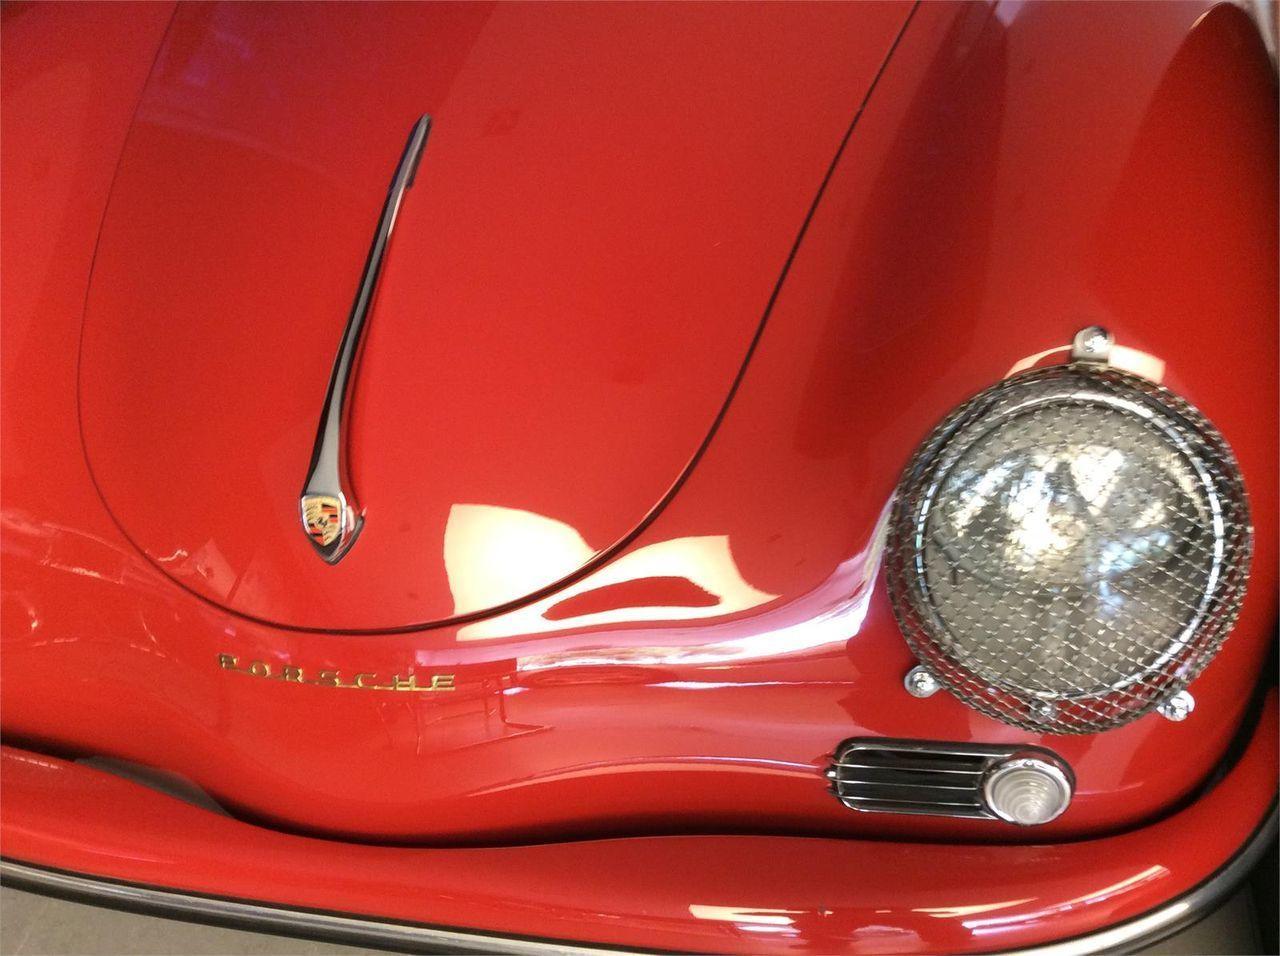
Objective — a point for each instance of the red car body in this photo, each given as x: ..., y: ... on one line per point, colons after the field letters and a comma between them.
x: 676, y: 293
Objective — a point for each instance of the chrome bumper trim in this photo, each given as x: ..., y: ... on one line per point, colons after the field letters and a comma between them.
x: 263, y: 917
x: 1173, y: 916
x: 414, y: 937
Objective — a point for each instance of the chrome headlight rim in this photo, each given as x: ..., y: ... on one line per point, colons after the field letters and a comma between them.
x: 1150, y: 683
x: 1071, y: 393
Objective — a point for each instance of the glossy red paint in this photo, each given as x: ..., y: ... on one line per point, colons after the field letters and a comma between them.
x: 1017, y: 172
x: 605, y: 202
x: 750, y: 894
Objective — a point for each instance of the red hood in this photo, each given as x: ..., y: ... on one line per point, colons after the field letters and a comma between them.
x: 607, y: 199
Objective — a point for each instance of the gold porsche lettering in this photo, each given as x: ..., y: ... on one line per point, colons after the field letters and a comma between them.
x: 363, y: 680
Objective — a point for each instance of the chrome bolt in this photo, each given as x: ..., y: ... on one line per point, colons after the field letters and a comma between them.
x: 1092, y: 344
x: 1178, y: 707
x: 1045, y: 710
x: 919, y: 682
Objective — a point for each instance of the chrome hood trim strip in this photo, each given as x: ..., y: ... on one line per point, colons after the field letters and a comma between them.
x: 330, y: 515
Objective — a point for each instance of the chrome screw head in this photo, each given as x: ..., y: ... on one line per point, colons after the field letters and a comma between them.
x: 1092, y: 344
x: 1178, y: 707
x: 1045, y: 710
x: 919, y: 682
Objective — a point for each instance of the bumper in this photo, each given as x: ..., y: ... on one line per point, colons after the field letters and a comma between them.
x: 72, y: 830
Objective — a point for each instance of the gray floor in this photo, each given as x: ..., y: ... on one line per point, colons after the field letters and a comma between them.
x: 33, y: 925
x: 1232, y: 930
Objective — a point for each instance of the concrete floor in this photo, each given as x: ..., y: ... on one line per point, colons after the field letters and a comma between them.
x: 32, y: 925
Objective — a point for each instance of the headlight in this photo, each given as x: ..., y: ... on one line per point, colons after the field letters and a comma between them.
x: 1069, y: 548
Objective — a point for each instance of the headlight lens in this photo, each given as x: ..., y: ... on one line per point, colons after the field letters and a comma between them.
x: 1069, y: 548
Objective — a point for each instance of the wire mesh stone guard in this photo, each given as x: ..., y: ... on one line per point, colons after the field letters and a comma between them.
x: 1069, y: 548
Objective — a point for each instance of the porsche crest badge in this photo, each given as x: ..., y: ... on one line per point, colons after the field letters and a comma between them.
x: 322, y: 516
x: 330, y: 522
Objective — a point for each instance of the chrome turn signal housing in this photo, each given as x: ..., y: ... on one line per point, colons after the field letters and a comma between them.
x: 1022, y: 785
x: 1069, y: 548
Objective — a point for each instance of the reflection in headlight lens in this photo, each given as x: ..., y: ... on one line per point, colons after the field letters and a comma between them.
x: 1067, y: 549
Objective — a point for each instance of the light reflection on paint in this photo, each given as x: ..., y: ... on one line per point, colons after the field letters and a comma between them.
x: 847, y: 592
x: 954, y: 912
x: 718, y: 685
x: 1124, y: 358
x: 786, y: 769
x: 744, y: 916
x: 494, y: 555
x: 997, y: 924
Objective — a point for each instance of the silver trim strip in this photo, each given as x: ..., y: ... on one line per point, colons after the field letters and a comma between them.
x: 306, y: 923
x: 327, y: 492
x: 1182, y: 912
x: 1144, y: 930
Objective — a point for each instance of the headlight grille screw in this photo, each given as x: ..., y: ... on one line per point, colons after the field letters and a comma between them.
x: 1178, y: 707
x: 919, y: 682
x: 1092, y: 344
